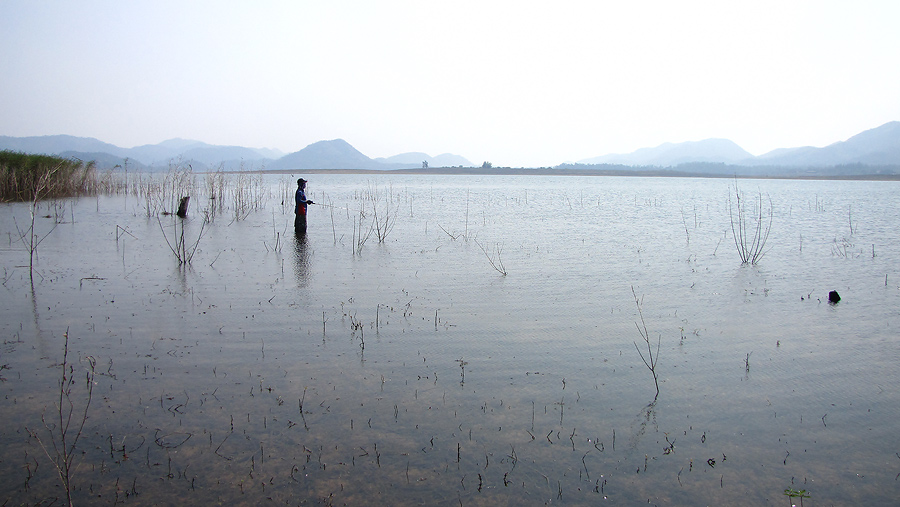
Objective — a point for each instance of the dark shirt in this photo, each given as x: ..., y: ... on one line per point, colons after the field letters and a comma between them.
x: 300, y: 198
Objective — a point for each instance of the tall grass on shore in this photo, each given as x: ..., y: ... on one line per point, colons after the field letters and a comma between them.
x: 34, y: 178
x: 25, y: 177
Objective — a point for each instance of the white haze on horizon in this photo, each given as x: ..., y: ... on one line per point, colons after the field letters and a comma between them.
x: 517, y: 83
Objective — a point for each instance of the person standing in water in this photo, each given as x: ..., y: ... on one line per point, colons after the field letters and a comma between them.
x: 300, y: 210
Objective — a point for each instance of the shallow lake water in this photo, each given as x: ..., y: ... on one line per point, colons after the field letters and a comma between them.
x: 326, y: 369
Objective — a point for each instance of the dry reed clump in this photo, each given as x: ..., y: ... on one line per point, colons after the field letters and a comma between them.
x: 112, y: 182
x: 115, y: 181
x: 384, y: 218
x: 25, y: 177
x: 750, y: 227
x: 162, y: 196
x: 376, y: 215
x: 216, y: 188
x: 249, y: 194
x: 286, y: 190
x: 361, y: 231
x: 183, y: 248
x: 382, y: 205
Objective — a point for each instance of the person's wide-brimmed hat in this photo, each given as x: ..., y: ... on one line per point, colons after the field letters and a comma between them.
x: 301, y: 180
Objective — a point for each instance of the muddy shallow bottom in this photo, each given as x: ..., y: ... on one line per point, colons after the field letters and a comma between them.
x: 325, y: 369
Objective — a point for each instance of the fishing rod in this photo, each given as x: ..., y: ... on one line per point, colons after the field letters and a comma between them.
x: 326, y: 205
x: 330, y: 206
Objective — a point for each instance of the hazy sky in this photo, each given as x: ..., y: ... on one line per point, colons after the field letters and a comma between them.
x: 517, y: 83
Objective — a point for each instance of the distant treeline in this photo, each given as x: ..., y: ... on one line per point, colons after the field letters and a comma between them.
x: 711, y: 169
x: 26, y: 177
x: 687, y: 170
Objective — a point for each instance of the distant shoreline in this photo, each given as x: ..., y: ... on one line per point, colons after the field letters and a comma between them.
x: 650, y: 173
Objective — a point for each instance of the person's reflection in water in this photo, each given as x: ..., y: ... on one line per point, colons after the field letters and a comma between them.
x: 301, y: 258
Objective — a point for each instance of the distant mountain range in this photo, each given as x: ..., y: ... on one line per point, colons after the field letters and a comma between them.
x: 874, y: 147
x: 875, y: 151
x: 878, y: 147
x: 151, y: 156
x: 671, y: 154
x: 336, y: 154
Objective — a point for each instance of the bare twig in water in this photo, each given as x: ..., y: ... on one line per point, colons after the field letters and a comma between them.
x: 498, y: 263
x: 453, y: 237
x: 385, y: 219
x: 40, y: 189
x: 181, y: 249
x: 650, y: 359
x: 70, y: 425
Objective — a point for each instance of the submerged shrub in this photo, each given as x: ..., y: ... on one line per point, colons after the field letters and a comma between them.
x: 750, y: 226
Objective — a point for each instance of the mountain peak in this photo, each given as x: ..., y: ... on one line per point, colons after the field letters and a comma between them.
x: 713, y: 150
x: 887, y: 133
x: 333, y: 154
x: 878, y: 146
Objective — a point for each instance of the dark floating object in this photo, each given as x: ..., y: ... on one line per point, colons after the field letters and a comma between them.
x: 833, y: 297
